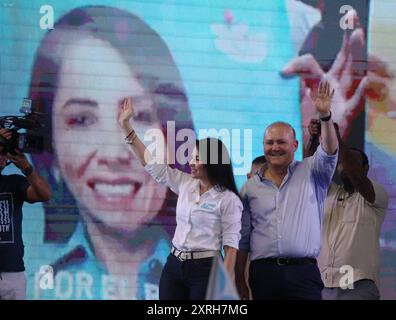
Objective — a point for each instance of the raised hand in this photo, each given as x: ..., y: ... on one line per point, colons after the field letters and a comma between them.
x: 18, y: 159
x: 323, y: 97
x: 4, y: 136
x: 126, y: 112
x: 341, y: 76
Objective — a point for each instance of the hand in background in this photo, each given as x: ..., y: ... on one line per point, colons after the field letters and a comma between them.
x: 19, y: 160
x: 340, y: 76
x: 314, y: 127
x: 4, y: 136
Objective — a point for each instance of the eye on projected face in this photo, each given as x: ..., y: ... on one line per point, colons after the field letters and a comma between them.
x: 97, y: 165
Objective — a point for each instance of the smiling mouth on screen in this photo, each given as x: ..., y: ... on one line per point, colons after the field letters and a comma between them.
x: 114, y: 190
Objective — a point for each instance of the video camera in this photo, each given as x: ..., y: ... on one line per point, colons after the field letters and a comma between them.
x: 26, y: 142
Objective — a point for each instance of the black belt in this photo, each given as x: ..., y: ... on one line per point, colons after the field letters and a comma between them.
x: 280, y: 261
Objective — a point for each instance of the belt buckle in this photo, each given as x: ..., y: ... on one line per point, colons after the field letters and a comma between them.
x: 179, y: 256
x: 279, y: 263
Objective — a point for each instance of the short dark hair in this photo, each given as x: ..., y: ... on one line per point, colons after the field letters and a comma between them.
x: 259, y: 160
x: 365, y: 160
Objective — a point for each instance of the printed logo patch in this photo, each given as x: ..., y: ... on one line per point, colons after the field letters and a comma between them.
x: 6, y: 225
x: 208, y: 206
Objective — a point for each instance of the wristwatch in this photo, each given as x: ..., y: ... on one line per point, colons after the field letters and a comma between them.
x: 324, y: 119
x: 27, y: 171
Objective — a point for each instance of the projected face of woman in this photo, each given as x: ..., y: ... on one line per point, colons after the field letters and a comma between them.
x: 98, y: 167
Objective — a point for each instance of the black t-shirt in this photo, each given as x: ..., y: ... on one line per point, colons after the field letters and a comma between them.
x: 13, y: 192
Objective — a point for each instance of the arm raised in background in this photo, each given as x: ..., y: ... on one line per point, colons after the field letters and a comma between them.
x: 314, y: 134
x: 38, y: 189
x: 355, y: 171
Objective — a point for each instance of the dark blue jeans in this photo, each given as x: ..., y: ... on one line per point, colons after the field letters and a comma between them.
x: 185, y: 280
x: 285, y: 282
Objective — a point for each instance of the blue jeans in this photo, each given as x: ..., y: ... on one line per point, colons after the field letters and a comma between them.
x: 184, y: 280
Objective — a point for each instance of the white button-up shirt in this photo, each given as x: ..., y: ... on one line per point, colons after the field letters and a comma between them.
x: 204, y: 222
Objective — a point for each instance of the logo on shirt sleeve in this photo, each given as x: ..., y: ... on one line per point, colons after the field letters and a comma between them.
x: 6, y: 225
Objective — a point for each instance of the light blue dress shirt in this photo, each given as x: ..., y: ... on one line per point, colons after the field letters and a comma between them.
x: 287, y: 221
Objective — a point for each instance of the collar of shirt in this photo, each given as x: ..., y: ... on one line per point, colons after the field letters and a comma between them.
x: 290, y: 169
x: 195, y: 189
x: 77, y: 256
x: 76, y: 252
x: 79, y: 241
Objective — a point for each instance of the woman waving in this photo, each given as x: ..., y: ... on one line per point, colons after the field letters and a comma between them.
x: 208, y: 212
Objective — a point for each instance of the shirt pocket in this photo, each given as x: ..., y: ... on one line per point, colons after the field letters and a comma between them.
x: 357, y: 211
x: 341, y: 203
x: 348, y: 216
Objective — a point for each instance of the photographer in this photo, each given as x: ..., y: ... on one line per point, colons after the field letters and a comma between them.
x: 14, y: 190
